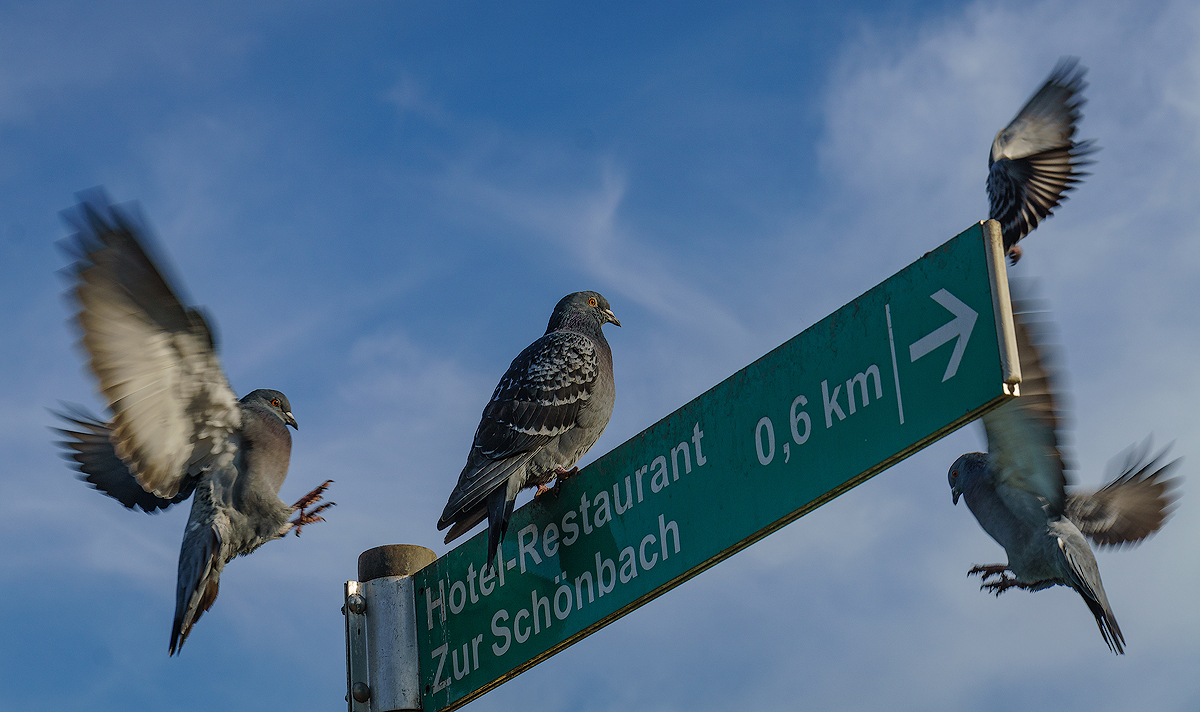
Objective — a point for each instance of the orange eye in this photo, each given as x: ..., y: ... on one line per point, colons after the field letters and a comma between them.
x: 275, y: 402
x: 591, y: 301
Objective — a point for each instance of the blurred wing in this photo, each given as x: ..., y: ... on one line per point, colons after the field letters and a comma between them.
x: 538, y: 399
x: 1034, y: 160
x: 155, y: 358
x: 1047, y: 121
x: 1131, y: 507
x: 92, y: 450
x: 1022, y: 434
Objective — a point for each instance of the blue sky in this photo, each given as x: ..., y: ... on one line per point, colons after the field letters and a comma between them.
x: 380, y: 205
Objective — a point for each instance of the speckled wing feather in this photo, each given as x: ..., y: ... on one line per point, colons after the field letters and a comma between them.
x: 540, y: 396
x: 538, y: 399
x: 173, y: 409
x: 1131, y: 507
x: 90, y: 446
x: 1035, y: 160
x: 1023, y: 434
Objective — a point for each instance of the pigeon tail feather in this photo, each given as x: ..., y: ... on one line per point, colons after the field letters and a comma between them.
x: 500, y: 508
x: 1107, y: 623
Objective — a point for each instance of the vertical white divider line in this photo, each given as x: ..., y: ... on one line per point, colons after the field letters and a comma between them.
x: 887, y: 308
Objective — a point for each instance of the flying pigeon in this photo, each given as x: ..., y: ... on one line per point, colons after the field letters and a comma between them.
x: 177, y: 429
x: 1035, y: 160
x: 547, y: 411
x: 1017, y: 492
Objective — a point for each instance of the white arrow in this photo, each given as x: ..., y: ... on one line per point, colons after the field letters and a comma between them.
x: 960, y: 326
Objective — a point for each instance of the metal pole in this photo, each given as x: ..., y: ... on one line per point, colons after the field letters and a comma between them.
x: 382, y: 670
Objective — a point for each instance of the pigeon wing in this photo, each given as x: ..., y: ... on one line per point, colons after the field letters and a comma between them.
x: 1035, y: 160
x: 155, y: 358
x: 1023, y: 434
x: 89, y: 444
x: 1132, y: 506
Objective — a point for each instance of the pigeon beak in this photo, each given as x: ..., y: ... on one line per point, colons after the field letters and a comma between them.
x: 287, y: 418
x: 610, y: 317
x: 956, y: 494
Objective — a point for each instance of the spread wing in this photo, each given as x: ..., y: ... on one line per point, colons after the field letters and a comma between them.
x: 1132, y: 506
x: 538, y: 399
x: 1035, y: 160
x: 1023, y: 434
x: 155, y: 358
x: 90, y: 446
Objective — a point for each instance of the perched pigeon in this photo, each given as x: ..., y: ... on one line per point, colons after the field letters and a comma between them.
x: 177, y: 427
x: 1017, y: 493
x: 548, y: 410
x: 1035, y: 160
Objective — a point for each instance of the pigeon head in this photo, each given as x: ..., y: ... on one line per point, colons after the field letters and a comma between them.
x: 579, y: 309
x: 275, y: 402
x: 964, y: 471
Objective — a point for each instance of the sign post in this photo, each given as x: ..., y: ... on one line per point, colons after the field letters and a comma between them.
x: 911, y: 360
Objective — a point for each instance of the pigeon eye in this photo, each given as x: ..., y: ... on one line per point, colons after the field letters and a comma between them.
x: 591, y: 301
x: 275, y: 402
x: 954, y: 473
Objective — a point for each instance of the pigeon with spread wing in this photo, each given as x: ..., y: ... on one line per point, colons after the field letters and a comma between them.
x: 1017, y: 492
x: 177, y: 428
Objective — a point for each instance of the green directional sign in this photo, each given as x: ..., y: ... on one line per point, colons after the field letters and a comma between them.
x: 918, y: 356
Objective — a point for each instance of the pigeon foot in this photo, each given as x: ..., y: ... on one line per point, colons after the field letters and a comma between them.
x: 1014, y: 254
x: 1005, y: 581
x: 312, y: 496
x: 989, y: 570
x: 310, y: 517
x: 305, y: 518
x: 559, y: 475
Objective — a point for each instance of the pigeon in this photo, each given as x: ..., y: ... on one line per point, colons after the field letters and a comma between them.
x: 1035, y: 160
x: 177, y: 428
x: 547, y: 411
x: 1017, y: 492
